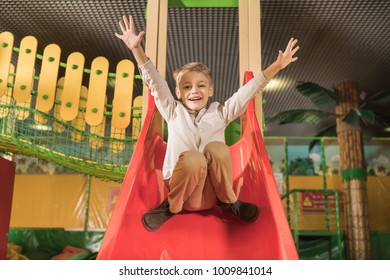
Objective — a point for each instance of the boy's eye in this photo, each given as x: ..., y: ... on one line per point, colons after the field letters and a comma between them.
x: 186, y: 87
x: 202, y: 85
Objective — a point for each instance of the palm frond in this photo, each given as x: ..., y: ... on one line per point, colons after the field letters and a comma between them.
x: 352, y: 118
x: 319, y: 95
x: 355, y: 115
x: 303, y: 116
x: 382, y: 120
x: 381, y: 97
x: 329, y: 130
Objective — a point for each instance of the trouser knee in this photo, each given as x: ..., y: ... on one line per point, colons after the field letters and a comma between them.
x: 192, y: 162
x: 218, y: 151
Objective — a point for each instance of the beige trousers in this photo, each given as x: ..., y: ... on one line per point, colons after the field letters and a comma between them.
x: 199, y: 179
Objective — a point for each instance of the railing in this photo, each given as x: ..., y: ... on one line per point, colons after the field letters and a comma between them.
x: 316, y: 211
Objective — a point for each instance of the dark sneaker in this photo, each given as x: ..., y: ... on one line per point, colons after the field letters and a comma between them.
x: 153, y: 219
x: 247, y: 212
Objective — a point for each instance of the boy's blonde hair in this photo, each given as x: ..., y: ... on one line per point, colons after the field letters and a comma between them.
x: 192, y: 66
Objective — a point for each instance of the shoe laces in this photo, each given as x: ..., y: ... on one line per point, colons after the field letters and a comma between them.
x: 163, y: 208
x: 235, y: 207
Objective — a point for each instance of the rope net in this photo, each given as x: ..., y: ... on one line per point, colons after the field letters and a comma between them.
x: 100, y: 148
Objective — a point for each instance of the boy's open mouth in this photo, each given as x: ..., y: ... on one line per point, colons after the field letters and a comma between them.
x: 195, y: 98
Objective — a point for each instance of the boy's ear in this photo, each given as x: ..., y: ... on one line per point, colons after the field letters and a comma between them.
x: 211, y: 91
x: 178, y: 93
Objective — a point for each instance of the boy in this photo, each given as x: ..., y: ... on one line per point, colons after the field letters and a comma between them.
x: 197, y: 166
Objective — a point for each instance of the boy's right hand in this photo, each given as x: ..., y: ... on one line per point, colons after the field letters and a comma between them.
x: 129, y: 37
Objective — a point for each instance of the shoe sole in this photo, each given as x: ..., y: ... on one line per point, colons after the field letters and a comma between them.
x: 148, y: 228
x: 254, y: 218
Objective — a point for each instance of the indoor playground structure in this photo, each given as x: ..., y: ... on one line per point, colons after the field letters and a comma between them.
x: 111, y: 141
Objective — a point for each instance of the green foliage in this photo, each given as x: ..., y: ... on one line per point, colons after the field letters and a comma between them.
x: 300, y: 116
x: 232, y: 133
x: 382, y: 120
x: 302, y: 166
x: 319, y: 95
x: 355, y: 115
x: 329, y: 130
x: 381, y: 97
x: 322, y: 96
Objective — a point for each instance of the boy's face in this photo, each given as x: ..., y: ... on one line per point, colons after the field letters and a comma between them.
x: 194, y: 90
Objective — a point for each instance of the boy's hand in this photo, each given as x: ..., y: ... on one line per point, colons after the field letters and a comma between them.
x: 286, y: 57
x: 129, y: 37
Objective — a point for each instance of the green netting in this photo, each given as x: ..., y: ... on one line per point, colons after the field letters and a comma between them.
x: 97, y: 151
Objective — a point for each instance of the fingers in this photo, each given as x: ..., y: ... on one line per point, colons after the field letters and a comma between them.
x: 122, y: 27
x: 294, y: 50
x: 127, y: 24
x: 291, y: 49
x: 140, y: 36
x: 131, y: 26
x: 291, y: 44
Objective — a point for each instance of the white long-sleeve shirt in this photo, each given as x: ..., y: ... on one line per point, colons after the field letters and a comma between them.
x: 190, y: 130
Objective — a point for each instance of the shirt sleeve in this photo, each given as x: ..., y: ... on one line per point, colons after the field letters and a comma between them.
x: 237, y: 103
x: 163, y: 97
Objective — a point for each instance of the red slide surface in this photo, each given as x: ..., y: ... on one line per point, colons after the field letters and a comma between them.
x: 203, y: 235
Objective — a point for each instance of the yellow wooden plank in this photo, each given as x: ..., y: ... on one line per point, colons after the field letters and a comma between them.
x: 117, y: 146
x: 79, y: 121
x: 25, y: 69
x: 72, y: 86
x: 40, y: 119
x: 57, y: 126
x: 136, y: 117
x: 6, y: 45
x: 23, y: 112
x: 48, y: 78
x: 6, y: 99
x: 97, y: 130
x: 97, y: 91
x: 123, y: 94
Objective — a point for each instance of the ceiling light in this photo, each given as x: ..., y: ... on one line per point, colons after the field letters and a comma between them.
x: 274, y: 84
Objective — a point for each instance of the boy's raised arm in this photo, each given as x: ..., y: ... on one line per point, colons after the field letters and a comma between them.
x: 132, y: 40
x: 284, y: 59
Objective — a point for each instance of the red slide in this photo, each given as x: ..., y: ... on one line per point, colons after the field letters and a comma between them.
x: 203, y: 235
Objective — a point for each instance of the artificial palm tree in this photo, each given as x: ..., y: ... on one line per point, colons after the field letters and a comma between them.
x: 350, y: 112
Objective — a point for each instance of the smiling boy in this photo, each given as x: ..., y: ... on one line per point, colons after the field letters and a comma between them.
x: 197, y: 166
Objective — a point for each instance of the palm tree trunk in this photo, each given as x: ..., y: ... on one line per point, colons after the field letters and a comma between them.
x: 353, y: 170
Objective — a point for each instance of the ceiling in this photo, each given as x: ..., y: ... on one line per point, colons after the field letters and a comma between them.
x: 339, y: 40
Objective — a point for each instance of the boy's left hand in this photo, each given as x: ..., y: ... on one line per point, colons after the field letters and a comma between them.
x: 286, y: 57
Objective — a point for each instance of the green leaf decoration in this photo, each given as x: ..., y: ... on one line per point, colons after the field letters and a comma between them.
x: 367, y: 116
x: 357, y: 114
x: 303, y: 116
x: 232, y: 133
x: 382, y: 120
x: 381, y: 97
x: 352, y: 118
x: 353, y: 174
x: 319, y: 95
x: 329, y: 131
